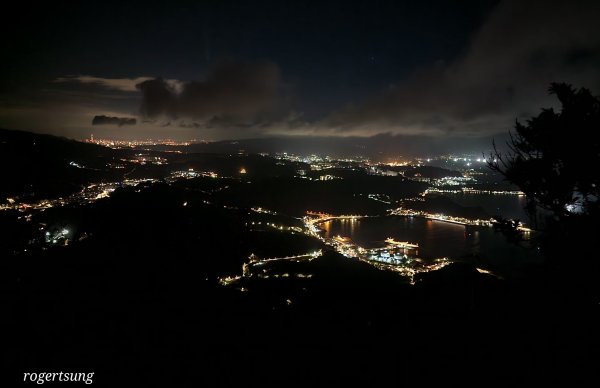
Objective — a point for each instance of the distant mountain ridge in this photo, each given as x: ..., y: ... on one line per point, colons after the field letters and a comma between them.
x: 39, y: 165
x: 379, y: 147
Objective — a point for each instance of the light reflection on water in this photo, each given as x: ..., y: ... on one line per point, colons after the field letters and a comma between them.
x: 435, y: 238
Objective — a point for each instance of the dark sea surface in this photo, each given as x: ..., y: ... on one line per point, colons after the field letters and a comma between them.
x: 508, y: 206
x: 442, y: 239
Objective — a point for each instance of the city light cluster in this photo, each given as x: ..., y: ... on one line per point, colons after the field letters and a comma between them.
x: 111, y: 143
x: 439, y: 217
x: 88, y: 194
x: 392, y: 257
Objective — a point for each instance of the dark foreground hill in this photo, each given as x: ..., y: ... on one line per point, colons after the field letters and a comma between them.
x: 44, y: 166
x: 135, y: 298
x: 130, y: 287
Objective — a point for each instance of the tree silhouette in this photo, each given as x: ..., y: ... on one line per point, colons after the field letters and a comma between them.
x: 554, y: 159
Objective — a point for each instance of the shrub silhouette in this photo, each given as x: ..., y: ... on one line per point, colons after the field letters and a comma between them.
x: 554, y: 159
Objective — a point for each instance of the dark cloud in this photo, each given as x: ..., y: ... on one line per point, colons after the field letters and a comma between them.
x: 107, y: 120
x: 120, y: 84
x: 504, y: 73
x: 184, y: 124
x: 231, y: 93
x: 477, y: 87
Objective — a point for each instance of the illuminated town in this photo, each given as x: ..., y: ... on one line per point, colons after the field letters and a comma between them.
x: 135, y: 144
x: 395, y: 256
x: 399, y: 259
x: 300, y: 194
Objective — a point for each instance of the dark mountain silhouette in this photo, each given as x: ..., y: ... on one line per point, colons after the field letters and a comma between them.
x: 430, y: 172
x: 379, y: 147
x: 40, y: 166
x: 133, y: 293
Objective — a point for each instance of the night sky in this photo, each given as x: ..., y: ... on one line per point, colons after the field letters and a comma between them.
x: 223, y: 70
